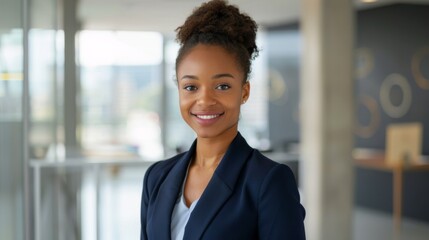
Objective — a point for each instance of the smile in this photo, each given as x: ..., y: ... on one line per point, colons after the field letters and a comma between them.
x: 207, y: 117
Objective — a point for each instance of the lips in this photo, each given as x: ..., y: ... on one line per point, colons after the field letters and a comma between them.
x: 206, y: 119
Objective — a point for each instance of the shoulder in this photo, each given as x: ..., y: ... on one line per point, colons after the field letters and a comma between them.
x: 159, y: 170
x: 275, y: 171
x: 270, y: 177
x: 262, y: 173
x: 263, y: 167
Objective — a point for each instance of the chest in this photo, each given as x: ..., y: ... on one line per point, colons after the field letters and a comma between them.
x: 195, y: 184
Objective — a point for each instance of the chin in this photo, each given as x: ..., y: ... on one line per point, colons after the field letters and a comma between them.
x: 215, y: 133
x: 206, y: 134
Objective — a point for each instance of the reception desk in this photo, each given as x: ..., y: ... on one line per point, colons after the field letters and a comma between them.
x: 378, y: 162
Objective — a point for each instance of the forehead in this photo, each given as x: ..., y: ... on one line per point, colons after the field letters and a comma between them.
x: 208, y: 59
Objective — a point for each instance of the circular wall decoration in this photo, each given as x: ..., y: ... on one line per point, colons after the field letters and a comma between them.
x: 364, y: 62
x: 277, y: 86
x: 416, y: 68
x: 372, y: 106
x: 386, y: 103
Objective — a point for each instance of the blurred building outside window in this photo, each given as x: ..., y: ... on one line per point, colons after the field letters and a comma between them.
x: 121, y: 88
x: 11, y: 76
x: 46, y: 133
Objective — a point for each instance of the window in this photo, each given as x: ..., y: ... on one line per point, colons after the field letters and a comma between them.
x: 121, y: 84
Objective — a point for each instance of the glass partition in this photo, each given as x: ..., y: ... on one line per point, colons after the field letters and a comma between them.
x: 11, y: 121
x: 49, y: 201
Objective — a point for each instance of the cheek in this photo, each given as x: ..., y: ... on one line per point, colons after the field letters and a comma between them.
x: 234, y: 104
x: 184, y: 103
x: 182, y: 98
x: 238, y: 99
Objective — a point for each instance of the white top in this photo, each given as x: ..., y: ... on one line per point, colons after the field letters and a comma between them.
x: 181, y: 214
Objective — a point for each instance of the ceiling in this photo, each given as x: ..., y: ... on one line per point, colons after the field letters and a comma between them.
x: 154, y: 15
x: 166, y: 15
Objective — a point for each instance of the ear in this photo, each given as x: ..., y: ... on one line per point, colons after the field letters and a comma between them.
x: 245, y: 92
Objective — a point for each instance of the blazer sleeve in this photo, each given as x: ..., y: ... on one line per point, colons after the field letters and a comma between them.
x: 281, y: 213
x: 144, y: 204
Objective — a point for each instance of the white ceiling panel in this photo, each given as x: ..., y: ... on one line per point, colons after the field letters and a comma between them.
x: 166, y: 15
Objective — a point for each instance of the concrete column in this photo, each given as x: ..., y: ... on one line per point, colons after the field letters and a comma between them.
x: 71, y: 83
x: 68, y: 208
x: 327, y: 111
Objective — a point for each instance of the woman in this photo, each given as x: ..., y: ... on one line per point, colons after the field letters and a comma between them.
x: 221, y: 188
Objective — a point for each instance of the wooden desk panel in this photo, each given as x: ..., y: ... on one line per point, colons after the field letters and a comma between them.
x: 378, y: 162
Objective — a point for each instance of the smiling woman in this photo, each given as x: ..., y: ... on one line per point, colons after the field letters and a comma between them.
x: 221, y: 188
x: 211, y: 91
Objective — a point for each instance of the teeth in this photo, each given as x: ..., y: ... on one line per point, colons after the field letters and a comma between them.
x: 207, y: 116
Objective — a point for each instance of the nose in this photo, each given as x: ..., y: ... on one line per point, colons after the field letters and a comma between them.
x: 206, y: 97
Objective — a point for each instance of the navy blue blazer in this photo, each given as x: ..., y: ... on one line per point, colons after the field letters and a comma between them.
x: 248, y: 197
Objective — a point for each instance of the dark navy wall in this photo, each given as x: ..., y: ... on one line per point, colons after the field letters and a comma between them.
x: 284, y: 56
x: 389, y: 39
x: 392, y: 56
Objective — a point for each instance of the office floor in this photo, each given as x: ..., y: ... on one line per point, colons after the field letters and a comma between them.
x: 376, y: 225
x: 121, y: 209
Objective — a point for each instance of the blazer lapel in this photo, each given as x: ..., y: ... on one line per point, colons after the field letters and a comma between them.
x: 167, y: 197
x: 219, y: 189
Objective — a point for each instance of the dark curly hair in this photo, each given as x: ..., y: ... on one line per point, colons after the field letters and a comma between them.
x: 218, y: 23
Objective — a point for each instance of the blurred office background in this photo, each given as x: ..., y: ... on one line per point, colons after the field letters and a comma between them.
x: 88, y: 101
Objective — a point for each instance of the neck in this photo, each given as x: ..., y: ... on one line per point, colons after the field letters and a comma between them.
x: 210, y: 151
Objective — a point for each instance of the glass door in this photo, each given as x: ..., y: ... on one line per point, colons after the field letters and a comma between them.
x: 11, y: 121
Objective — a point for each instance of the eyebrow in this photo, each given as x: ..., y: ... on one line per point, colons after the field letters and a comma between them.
x: 217, y: 76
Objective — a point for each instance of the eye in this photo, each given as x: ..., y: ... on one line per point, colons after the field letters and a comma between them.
x: 190, y: 88
x: 223, y: 87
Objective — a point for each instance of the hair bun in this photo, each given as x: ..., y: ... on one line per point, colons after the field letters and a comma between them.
x: 219, y: 18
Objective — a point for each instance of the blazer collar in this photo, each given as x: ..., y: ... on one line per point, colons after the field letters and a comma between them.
x: 168, y: 194
x: 219, y: 189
